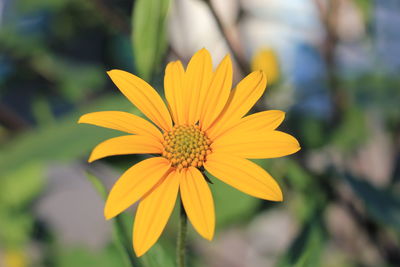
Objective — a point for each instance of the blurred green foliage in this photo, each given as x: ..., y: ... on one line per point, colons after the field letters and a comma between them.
x: 109, y: 257
x: 307, y: 248
x: 54, y: 55
x: 382, y: 205
x: 149, y: 35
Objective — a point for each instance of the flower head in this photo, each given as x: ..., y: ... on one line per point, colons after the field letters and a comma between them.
x: 203, y: 127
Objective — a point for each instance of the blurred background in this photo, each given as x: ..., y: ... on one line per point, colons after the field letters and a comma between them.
x: 332, y: 65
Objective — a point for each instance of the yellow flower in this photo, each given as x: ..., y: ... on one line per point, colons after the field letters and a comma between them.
x: 267, y: 61
x: 14, y: 258
x: 203, y: 126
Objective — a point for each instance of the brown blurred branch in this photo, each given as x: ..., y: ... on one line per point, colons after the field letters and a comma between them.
x: 386, y: 246
x: 383, y: 242
x: 229, y: 39
x: 329, y: 17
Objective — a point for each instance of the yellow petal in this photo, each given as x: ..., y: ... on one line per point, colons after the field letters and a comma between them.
x: 215, y: 96
x: 143, y: 96
x: 198, y: 202
x: 260, y: 121
x: 197, y: 79
x: 127, y: 144
x: 173, y: 86
x: 241, y: 100
x: 243, y: 175
x: 153, y: 213
x: 122, y: 121
x: 256, y: 144
x: 134, y: 184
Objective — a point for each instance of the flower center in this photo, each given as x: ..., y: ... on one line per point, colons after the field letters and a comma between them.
x: 186, y: 146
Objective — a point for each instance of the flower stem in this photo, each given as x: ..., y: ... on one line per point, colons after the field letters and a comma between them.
x: 181, y: 242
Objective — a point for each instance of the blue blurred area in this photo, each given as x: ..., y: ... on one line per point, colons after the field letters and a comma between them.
x: 310, y: 80
x: 386, y: 21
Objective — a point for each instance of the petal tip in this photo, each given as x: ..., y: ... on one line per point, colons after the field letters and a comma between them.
x: 279, y: 197
x: 91, y: 158
x: 297, y: 143
x: 140, y: 250
x: 228, y: 61
x: 203, y: 53
x: 113, y: 72
x: 275, y: 193
x: 261, y: 73
x: 80, y: 120
x: 279, y: 194
x: 281, y: 112
x: 227, y: 57
x: 203, y: 50
x: 108, y: 217
x: 108, y: 213
x: 209, y: 236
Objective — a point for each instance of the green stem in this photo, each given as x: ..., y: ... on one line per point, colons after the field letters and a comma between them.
x: 181, y: 242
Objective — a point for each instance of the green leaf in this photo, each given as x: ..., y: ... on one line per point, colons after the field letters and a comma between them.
x: 307, y: 248
x: 149, y: 34
x: 224, y: 195
x: 382, y: 205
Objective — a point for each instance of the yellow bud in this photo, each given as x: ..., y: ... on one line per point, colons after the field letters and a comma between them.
x: 267, y: 61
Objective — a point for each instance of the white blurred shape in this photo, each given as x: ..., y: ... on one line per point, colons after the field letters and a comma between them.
x: 192, y: 27
x: 349, y: 24
x: 74, y: 209
x: 281, y: 25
